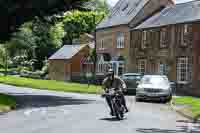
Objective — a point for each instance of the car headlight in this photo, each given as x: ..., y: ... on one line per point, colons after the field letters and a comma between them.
x: 166, y: 90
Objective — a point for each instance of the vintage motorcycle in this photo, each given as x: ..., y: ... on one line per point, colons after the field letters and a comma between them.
x: 114, y: 95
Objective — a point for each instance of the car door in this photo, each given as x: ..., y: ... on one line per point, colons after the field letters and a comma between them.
x: 131, y: 82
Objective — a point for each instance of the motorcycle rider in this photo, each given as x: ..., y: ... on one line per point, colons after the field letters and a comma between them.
x: 113, y: 81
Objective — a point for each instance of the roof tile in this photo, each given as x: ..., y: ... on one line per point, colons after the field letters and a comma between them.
x: 180, y: 13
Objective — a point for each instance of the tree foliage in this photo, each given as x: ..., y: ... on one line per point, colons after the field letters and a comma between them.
x: 13, y: 13
x: 43, y: 35
x: 36, y: 40
x: 77, y: 22
x: 98, y: 6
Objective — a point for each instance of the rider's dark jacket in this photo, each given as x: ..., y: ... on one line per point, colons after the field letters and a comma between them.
x: 117, y: 82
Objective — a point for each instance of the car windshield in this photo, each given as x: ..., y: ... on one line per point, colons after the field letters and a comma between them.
x: 134, y: 77
x: 153, y: 80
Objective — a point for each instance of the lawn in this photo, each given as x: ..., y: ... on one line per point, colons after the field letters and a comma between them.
x: 6, y: 103
x: 50, y: 85
x: 193, y: 103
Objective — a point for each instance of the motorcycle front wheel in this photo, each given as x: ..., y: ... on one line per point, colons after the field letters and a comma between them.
x: 118, y: 112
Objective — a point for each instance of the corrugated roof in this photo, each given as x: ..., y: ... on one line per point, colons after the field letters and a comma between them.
x: 122, y: 13
x: 180, y: 13
x: 67, y: 52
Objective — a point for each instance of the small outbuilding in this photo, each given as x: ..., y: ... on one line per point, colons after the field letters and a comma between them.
x: 71, y: 63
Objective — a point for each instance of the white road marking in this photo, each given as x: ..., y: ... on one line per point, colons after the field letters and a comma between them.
x: 29, y: 111
x: 66, y: 112
x: 44, y: 111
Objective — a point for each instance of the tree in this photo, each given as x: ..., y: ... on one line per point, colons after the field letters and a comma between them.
x: 43, y: 35
x: 4, y: 57
x: 23, y: 41
x: 98, y: 6
x: 14, y: 13
x: 37, y: 40
x: 77, y: 22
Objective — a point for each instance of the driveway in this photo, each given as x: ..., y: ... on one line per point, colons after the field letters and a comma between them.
x: 41, y: 111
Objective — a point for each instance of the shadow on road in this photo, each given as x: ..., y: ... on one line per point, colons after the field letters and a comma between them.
x: 111, y: 119
x: 36, y: 101
x: 151, y: 101
x: 154, y: 130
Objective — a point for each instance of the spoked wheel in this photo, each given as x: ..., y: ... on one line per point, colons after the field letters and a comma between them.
x: 119, y: 112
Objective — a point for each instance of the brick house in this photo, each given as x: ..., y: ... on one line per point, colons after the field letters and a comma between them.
x: 71, y: 63
x: 113, y: 33
x: 168, y: 43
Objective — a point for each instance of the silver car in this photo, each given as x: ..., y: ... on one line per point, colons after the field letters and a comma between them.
x: 154, y: 87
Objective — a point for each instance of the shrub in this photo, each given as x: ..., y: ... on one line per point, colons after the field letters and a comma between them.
x: 29, y: 74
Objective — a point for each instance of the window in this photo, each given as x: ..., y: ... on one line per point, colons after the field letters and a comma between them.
x: 76, y: 41
x: 163, y: 69
x: 183, y: 70
x: 120, y: 40
x: 144, y: 39
x: 163, y: 38
x: 184, y: 33
x: 141, y: 66
x: 101, y: 68
x: 101, y: 45
x: 185, y: 29
x: 121, y: 68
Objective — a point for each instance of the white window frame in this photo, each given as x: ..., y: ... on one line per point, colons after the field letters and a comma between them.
x: 122, y: 66
x: 186, y: 29
x: 163, y: 69
x: 120, y: 40
x: 144, y: 39
x: 184, y: 32
x: 101, y: 44
x: 101, y: 68
x: 163, y: 37
x: 142, y: 63
x: 183, y: 70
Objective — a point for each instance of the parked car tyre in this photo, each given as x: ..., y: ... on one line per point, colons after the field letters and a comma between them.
x: 169, y: 98
x: 137, y: 99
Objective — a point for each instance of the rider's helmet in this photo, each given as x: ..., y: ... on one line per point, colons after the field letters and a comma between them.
x: 110, y: 72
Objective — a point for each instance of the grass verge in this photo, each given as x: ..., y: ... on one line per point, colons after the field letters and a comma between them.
x: 193, y: 105
x: 50, y: 85
x: 7, y: 103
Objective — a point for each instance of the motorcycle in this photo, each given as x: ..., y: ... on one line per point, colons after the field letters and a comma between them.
x: 116, y: 102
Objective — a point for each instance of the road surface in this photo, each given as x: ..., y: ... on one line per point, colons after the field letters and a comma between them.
x: 41, y: 111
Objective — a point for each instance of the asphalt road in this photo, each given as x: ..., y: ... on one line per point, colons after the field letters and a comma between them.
x: 42, y: 111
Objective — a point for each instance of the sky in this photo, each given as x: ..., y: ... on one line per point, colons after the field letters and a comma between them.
x: 113, y: 2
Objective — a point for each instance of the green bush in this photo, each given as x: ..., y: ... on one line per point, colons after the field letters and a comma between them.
x: 30, y: 74
x: 22, y: 69
x: 7, y: 102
